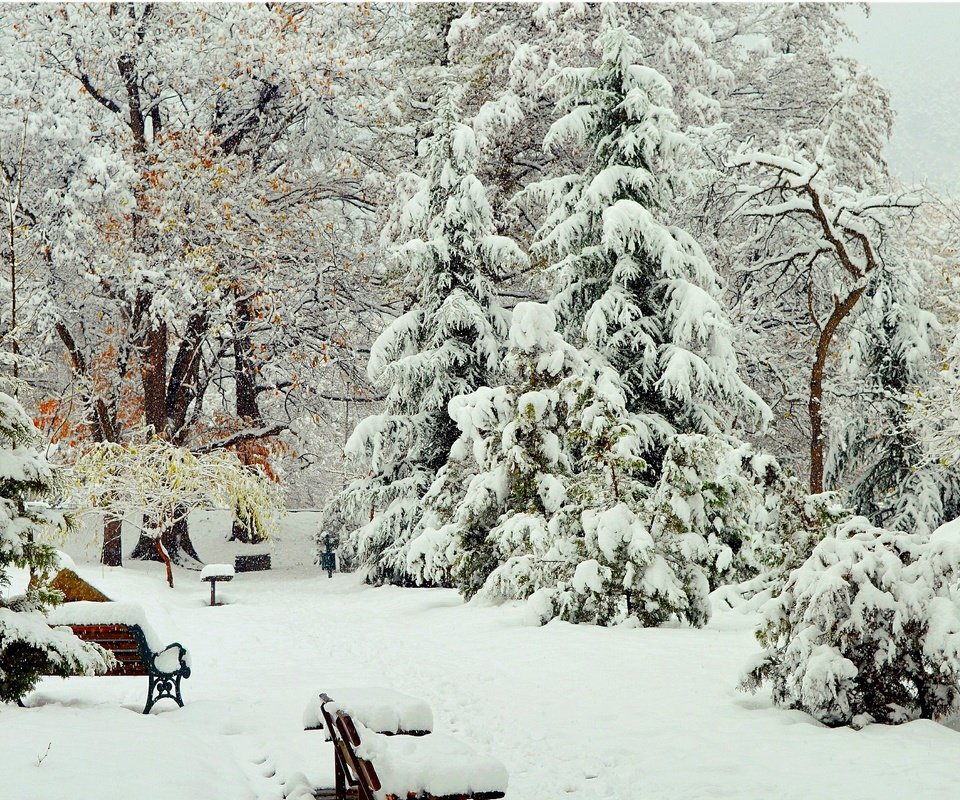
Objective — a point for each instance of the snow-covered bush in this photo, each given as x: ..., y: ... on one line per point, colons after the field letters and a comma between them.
x: 714, y: 494
x: 896, y: 409
x: 29, y: 648
x: 509, y: 469
x: 867, y: 629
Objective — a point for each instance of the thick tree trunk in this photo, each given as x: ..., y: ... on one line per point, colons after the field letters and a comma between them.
x: 176, y: 542
x: 242, y: 531
x: 178, y: 536
x: 153, y: 376
x: 248, y: 409
x: 112, y: 553
x: 146, y: 548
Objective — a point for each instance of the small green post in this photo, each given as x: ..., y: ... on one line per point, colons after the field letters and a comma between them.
x: 328, y: 558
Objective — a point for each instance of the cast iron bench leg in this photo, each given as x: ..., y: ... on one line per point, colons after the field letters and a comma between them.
x: 150, y: 699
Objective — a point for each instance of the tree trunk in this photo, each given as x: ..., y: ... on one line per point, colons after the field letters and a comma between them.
x: 165, y: 558
x: 146, y: 549
x: 176, y: 541
x: 178, y: 537
x: 248, y: 409
x: 112, y: 553
x: 153, y: 376
x: 815, y: 403
x: 243, y: 531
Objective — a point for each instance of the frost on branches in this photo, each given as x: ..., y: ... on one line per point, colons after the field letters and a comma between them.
x: 628, y: 284
x: 867, y: 629
x: 29, y: 648
x: 448, y: 343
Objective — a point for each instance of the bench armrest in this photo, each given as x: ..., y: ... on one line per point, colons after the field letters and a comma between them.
x: 172, y: 660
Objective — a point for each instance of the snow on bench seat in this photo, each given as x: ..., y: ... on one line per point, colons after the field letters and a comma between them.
x: 380, y: 710
x: 86, y: 612
x: 436, y: 765
x: 122, y: 628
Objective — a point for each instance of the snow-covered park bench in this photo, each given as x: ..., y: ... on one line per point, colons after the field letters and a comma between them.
x: 384, y: 748
x: 122, y: 629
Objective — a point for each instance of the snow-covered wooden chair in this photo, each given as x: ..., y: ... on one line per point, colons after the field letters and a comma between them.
x: 122, y: 629
x: 384, y: 750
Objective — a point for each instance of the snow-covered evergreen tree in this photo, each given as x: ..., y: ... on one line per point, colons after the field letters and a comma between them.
x: 875, y: 451
x: 448, y: 343
x: 29, y: 648
x: 867, y: 629
x: 714, y: 492
x: 631, y: 286
x: 553, y: 509
x: 511, y: 466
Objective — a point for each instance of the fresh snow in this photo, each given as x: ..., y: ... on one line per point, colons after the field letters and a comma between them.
x: 437, y: 764
x: 217, y: 571
x: 85, y: 612
x: 381, y: 710
x: 571, y: 711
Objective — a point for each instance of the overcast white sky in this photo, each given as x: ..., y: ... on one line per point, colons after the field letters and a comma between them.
x: 914, y: 49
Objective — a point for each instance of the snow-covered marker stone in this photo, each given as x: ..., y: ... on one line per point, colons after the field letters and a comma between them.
x: 213, y: 573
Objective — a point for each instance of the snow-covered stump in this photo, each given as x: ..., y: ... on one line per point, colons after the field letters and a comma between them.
x: 384, y: 746
x: 213, y: 573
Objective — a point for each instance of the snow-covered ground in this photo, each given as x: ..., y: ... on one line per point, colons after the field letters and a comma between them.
x: 571, y: 711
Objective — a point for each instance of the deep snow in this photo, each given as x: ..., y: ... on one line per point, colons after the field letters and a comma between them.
x: 570, y: 710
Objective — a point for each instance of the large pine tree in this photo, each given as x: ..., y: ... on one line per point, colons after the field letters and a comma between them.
x: 448, y: 343
x: 630, y: 285
x: 29, y: 647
